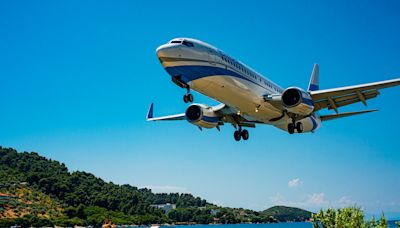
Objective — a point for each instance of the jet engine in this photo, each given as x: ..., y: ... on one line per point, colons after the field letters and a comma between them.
x: 298, y: 101
x: 202, y: 115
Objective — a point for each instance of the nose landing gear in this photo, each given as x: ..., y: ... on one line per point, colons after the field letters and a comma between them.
x: 188, y: 98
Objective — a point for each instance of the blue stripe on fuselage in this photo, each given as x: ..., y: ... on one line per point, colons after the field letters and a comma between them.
x: 191, y: 73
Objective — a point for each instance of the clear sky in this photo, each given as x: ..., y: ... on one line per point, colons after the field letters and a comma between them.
x: 77, y: 78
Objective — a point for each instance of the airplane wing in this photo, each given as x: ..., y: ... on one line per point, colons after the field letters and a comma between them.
x: 338, y: 97
x: 345, y: 114
x: 150, y: 117
x: 229, y: 114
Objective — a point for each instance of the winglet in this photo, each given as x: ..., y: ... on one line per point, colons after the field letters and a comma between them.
x: 150, y: 112
x: 314, y: 80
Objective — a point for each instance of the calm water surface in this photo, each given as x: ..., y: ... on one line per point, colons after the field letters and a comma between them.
x: 272, y: 225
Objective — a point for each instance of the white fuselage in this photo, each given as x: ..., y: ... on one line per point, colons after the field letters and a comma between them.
x: 215, y: 74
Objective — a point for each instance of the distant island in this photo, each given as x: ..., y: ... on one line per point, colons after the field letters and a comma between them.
x: 36, y: 191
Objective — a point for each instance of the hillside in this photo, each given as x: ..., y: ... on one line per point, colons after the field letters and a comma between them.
x: 45, y: 193
x: 282, y: 213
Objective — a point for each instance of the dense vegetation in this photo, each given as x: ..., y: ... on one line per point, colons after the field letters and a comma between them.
x: 47, y: 194
x: 282, y: 213
x: 346, y: 217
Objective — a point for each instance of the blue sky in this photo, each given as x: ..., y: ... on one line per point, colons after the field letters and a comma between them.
x: 77, y: 78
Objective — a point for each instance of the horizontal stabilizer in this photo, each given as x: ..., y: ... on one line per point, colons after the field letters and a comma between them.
x: 345, y: 114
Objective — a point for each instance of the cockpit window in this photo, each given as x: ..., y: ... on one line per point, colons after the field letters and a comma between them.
x: 176, y: 42
x: 187, y: 43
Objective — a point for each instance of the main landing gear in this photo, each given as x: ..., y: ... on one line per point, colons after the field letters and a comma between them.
x: 241, y: 134
x: 188, y: 97
x: 292, y: 126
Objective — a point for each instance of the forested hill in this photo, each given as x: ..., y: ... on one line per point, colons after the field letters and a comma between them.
x: 45, y: 193
x: 282, y: 213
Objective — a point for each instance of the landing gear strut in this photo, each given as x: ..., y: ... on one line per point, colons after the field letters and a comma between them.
x: 188, y: 97
x: 241, y: 134
x: 292, y: 126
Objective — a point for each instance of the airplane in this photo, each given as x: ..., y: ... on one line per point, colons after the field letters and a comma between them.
x: 247, y: 97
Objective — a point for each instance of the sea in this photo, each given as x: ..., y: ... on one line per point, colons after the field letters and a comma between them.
x: 270, y: 225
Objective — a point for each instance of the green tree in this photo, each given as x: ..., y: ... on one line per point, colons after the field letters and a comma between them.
x: 382, y: 222
x: 373, y: 222
x: 80, y: 213
x: 345, y: 217
x: 67, y: 198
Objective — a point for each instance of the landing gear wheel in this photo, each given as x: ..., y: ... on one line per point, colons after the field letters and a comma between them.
x: 185, y: 98
x: 299, y: 127
x: 245, y: 135
x: 290, y: 128
x: 190, y: 97
x: 236, y: 135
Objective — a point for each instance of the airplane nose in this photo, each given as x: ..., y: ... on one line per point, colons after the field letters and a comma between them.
x: 160, y: 51
x: 167, y: 50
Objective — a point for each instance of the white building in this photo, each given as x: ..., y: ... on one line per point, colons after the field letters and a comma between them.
x: 166, y: 207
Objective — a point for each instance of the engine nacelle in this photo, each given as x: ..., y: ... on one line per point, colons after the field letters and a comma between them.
x: 298, y: 101
x: 202, y: 116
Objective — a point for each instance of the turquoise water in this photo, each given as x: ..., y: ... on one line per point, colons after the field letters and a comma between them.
x: 272, y: 225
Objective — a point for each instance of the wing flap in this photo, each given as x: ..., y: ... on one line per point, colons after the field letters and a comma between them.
x: 345, y: 114
x: 345, y: 100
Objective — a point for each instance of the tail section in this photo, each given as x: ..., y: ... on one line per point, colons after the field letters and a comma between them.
x: 314, y: 80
